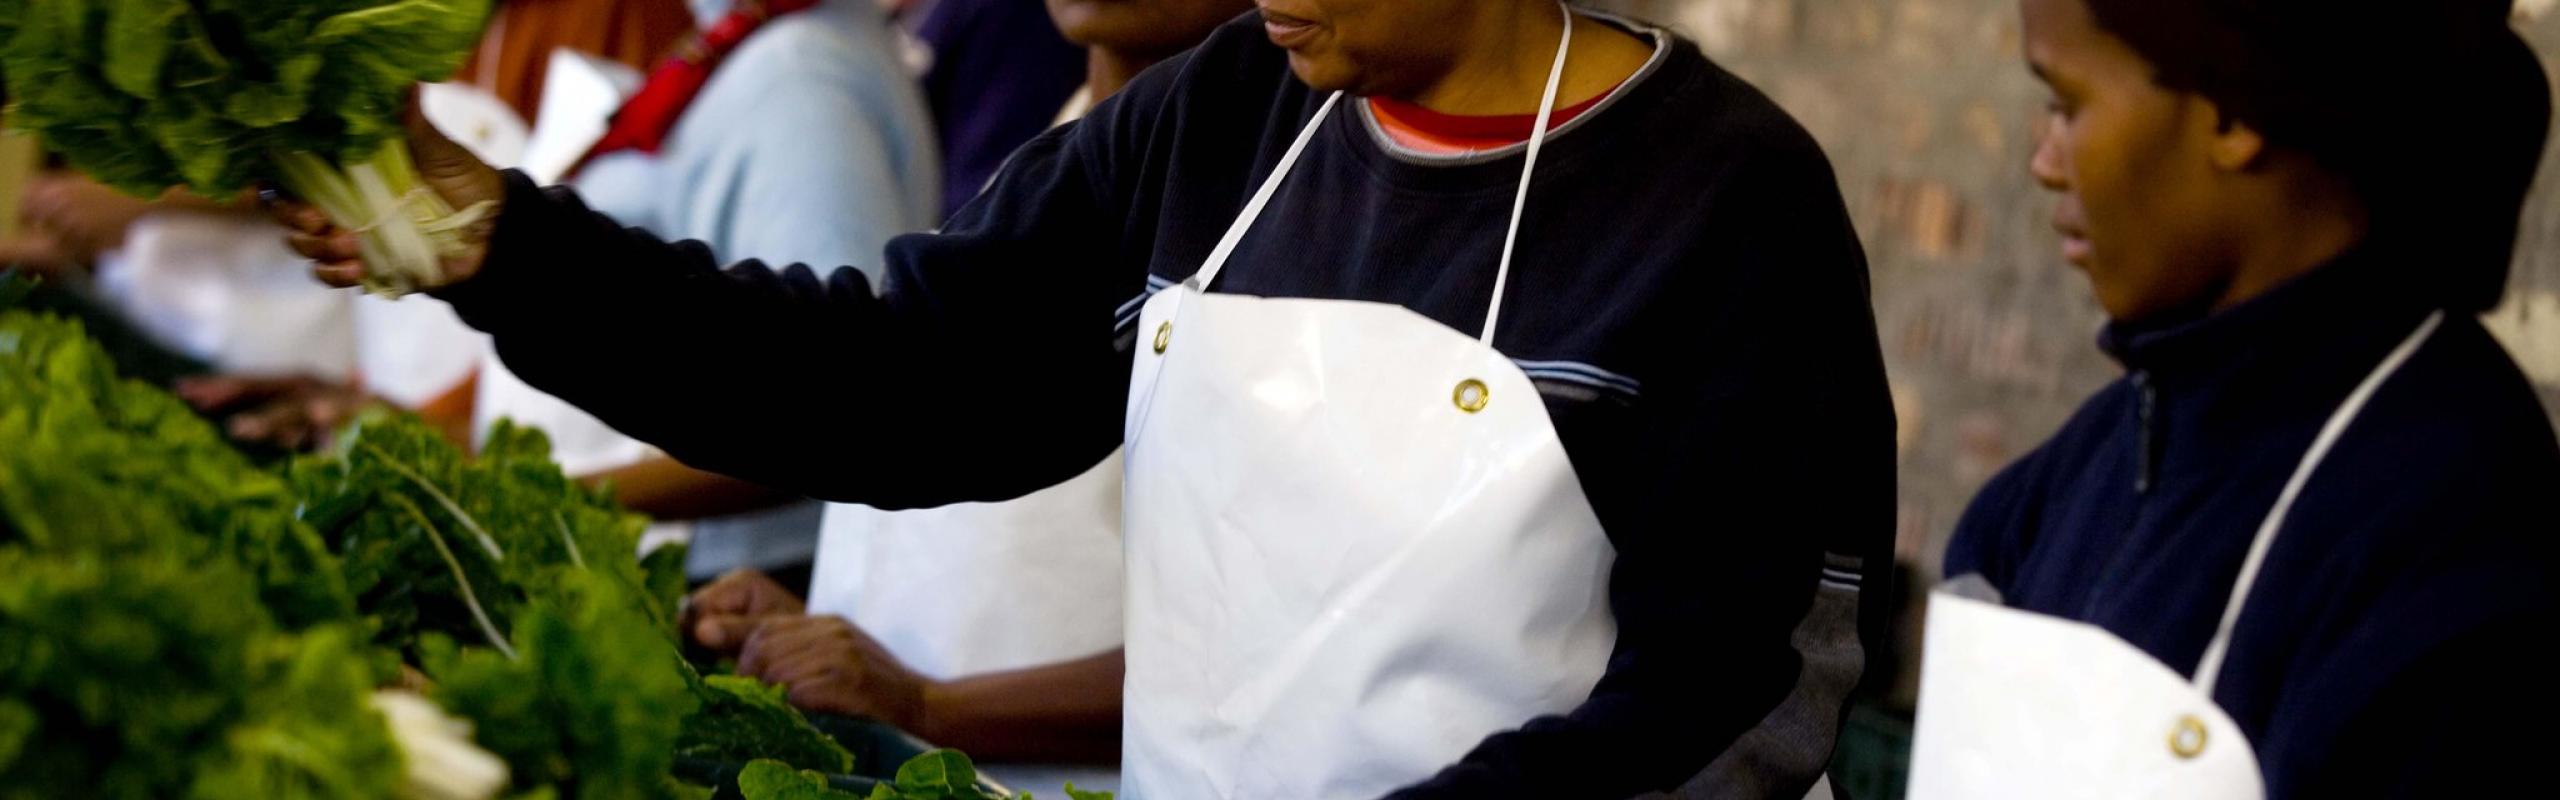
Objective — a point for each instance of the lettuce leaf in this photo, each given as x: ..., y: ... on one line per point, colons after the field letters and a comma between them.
x: 91, y: 462
x: 152, y: 675
x: 590, y: 705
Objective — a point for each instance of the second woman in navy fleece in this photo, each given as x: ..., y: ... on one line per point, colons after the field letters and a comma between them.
x: 2319, y: 507
x: 1686, y: 306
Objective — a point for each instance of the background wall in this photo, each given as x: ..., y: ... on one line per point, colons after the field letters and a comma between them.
x: 1928, y: 114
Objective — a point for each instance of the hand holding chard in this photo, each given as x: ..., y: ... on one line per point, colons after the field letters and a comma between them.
x: 216, y: 94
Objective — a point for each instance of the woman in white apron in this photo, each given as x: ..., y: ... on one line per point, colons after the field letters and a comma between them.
x: 2291, y: 553
x: 1506, y: 467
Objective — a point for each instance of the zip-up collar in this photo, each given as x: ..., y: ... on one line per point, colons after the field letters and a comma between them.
x: 2202, y: 386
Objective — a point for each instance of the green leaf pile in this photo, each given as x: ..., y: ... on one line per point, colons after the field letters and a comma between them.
x: 93, y: 462
x: 150, y: 675
x: 436, y: 541
x: 195, y: 627
x: 147, y: 94
x: 744, y: 719
x: 589, y: 706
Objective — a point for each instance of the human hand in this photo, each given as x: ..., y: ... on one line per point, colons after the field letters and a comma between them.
x: 722, y: 615
x: 298, y: 413
x: 827, y: 665
x: 452, y: 172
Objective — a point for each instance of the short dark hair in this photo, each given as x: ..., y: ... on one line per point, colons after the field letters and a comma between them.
x: 2435, y: 111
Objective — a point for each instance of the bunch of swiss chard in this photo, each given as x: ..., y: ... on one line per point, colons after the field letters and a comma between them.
x: 494, y: 552
x: 435, y: 541
x: 211, y: 95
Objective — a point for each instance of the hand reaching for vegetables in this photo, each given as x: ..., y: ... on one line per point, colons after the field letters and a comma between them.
x: 721, y: 616
x: 82, y: 217
x: 34, y: 253
x: 828, y: 666
x: 296, y: 413
x: 451, y: 172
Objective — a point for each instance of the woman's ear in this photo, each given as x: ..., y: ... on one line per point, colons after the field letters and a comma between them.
x: 2236, y: 146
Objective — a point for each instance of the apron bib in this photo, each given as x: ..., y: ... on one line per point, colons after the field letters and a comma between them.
x: 1356, y: 547
x: 2015, y: 704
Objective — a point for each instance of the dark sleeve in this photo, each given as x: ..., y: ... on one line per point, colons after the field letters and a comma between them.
x: 1771, y: 444
x: 2472, y: 719
x: 984, y: 369
x: 1980, y: 543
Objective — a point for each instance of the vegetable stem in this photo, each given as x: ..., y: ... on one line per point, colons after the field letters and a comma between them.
x: 470, y: 599
x: 487, y: 542
x: 404, y: 229
x: 569, y: 541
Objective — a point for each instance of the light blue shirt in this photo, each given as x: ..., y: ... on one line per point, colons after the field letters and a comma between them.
x: 810, y: 145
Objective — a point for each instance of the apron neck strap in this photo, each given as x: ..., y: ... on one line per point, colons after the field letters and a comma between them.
x: 1201, y: 280
x: 1520, y: 202
x: 1208, y: 274
x: 2209, y: 669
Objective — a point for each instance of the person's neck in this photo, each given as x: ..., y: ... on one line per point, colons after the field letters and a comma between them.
x: 1107, y: 71
x: 2305, y: 236
x: 1501, y: 68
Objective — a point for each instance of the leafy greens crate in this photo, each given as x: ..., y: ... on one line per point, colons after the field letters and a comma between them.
x: 878, y: 749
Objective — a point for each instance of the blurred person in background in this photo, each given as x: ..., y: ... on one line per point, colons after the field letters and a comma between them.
x: 998, y: 70
x: 990, y: 627
x: 514, y: 59
x: 1367, y: 475
x: 2295, y: 551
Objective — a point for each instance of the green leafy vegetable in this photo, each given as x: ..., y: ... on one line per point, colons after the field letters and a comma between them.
x: 591, y: 704
x: 196, y: 627
x: 743, y: 719
x: 93, y: 462
x: 435, y: 541
x: 148, y: 675
x: 935, y: 775
x: 774, y: 780
x: 212, y: 94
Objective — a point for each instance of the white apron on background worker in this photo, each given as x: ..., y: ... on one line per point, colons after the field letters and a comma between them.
x: 974, y: 588
x: 2015, y: 704
x: 1319, y: 493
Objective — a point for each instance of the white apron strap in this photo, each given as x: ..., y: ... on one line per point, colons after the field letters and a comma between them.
x: 1261, y: 197
x: 1208, y: 274
x: 1537, y: 142
x: 2210, y: 668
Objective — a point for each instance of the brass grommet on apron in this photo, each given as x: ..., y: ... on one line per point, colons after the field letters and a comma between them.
x: 1471, y: 395
x: 1164, y: 336
x: 2187, y: 740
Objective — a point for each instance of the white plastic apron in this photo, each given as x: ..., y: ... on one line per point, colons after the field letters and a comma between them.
x: 981, y: 587
x: 1356, y: 547
x: 2015, y: 704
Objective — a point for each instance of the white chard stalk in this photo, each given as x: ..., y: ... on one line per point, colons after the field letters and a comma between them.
x: 404, y: 229
x: 441, y: 761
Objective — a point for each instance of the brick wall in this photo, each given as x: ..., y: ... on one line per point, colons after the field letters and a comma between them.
x: 1928, y: 116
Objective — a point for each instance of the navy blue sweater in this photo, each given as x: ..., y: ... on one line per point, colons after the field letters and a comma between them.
x: 2382, y: 650
x: 1688, y: 295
